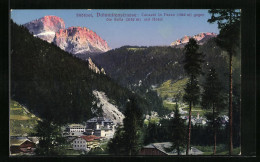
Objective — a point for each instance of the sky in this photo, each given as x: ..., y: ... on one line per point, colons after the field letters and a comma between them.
x: 139, y: 33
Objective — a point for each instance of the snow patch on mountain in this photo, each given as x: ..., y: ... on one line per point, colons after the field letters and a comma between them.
x: 45, y: 33
x: 45, y: 27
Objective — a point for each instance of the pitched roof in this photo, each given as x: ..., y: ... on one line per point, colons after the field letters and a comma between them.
x: 18, y: 142
x: 99, y: 119
x: 76, y: 126
x: 159, y: 146
x: 163, y: 145
x: 34, y: 139
x: 89, y: 138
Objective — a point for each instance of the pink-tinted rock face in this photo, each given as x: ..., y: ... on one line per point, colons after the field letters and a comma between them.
x: 77, y: 40
x: 45, y: 27
x: 200, y: 38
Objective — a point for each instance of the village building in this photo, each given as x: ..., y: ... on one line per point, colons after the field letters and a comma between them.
x: 163, y: 149
x: 34, y: 140
x: 224, y: 120
x: 85, y: 143
x: 75, y: 130
x: 169, y: 116
x: 152, y: 150
x: 21, y: 145
x: 200, y: 120
x: 101, y: 127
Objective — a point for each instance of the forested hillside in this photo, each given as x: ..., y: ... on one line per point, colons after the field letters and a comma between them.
x: 154, y: 65
x: 56, y: 85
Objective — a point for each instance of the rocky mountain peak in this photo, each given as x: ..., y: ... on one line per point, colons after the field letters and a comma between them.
x: 200, y: 38
x: 45, y: 27
x: 78, y: 40
x: 75, y: 40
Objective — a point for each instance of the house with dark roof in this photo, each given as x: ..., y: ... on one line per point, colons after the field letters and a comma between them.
x: 151, y: 150
x: 101, y: 127
x: 21, y: 145
x: 163, y: 149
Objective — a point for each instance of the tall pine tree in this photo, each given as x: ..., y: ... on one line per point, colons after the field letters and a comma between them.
x: 116, y: 144
x: 193, y: 67
x: 212, y: 98
x: 228, y: 21
x: 133, y: 124
x: 50, y: 138
x: 178, y: 133
x: 127, y: 140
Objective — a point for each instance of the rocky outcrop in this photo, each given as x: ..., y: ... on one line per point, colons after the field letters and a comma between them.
x: 75, y: 40
x: 94, y: 68
x: 45, y: 27
x: 103, y: 71
x: 200, y: 38
x: 80, y: 40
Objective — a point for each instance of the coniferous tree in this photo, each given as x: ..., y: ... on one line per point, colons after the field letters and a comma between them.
x: 228, y: 21
x: 193, y: 67
x: 212, y: 98
x: 151, y: 132
x: 178, y: 133
x: 133, y: 124
x: 50, y: 138
x: 116, y: 144
x: 128, y: 140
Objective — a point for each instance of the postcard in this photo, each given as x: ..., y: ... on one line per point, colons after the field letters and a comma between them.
x: 131, y: 82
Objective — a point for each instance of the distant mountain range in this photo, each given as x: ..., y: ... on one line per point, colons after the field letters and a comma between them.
x: 200, y: 38
x: 137, y: 68
x: 134, y: 66
x: 75, y: 40
x: 58, y: 86
x: 81, y: 40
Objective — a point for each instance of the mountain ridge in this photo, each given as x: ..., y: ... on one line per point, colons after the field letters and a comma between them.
x: 58, y: 86
x: 45, y: 27
x: 75, y: 40
x: 201, y: 38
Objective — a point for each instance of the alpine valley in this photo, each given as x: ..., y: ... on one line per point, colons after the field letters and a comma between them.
x: 69, y: 77
x: 141, y: 70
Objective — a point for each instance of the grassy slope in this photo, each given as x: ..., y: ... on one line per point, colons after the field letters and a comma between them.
x: 221, y: 150
x: 22, y: 122
x: 169, y: 88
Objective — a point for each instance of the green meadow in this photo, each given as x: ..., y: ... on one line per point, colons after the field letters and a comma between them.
x: 22, y: 122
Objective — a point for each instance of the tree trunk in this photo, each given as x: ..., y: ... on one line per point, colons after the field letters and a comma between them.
x: 230, y: 105
x: 214, y: 129
x: 230, y: 96
x: 189, y: 132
